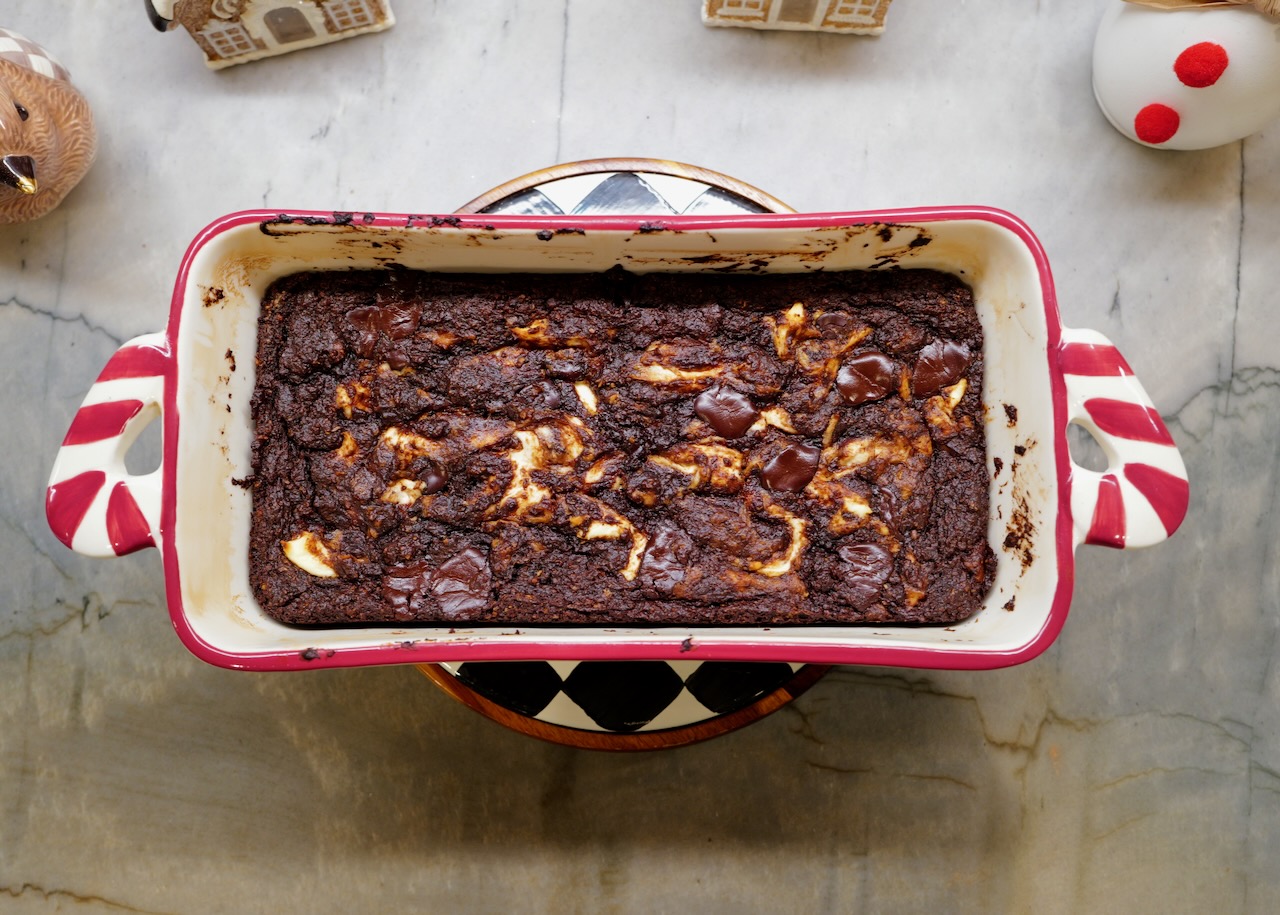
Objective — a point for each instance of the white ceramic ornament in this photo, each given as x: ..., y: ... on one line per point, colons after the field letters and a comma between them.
x: 1188, y: 78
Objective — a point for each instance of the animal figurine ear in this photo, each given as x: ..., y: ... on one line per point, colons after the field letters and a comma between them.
x: 1188, y: 74
x: 47, y: 139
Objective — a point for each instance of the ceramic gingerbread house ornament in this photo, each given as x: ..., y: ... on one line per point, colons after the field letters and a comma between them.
x: 1188, y: 74
x: 47, y: 138
x: 848, y: 17
x: 238, y: 31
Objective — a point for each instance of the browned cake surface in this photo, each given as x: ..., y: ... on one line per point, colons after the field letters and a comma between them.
x: 619, y: 449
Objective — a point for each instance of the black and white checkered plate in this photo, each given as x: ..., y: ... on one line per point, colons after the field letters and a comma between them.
x: 624, y: 697
x: 674, y: 701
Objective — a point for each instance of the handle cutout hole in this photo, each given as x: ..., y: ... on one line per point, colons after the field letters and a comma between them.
x: 1085, y: 450
x: 143, y: 455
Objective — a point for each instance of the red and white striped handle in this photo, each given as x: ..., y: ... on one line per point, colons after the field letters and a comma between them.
x: 97, y: 508
x: 93, y: 504
x: 1142, y: 496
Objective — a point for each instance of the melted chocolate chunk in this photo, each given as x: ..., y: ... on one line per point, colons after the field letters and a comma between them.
x: 396, y: 322
x: 463, y: 583
x: 792, y: 469
x: 392, y: 321
x: 727, y: 411
x: 542, y: 395
x: 404, y: 588
x: 869, y: 568
x: 836, y: 322
x: 866, y: 377
x: 891, y: 507
x: 663, y: 566
x: 941, y: 363
x: 433, y: 479
x: 567, y: 364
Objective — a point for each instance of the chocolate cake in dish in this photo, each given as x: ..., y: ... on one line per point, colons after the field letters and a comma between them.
x: 619, y: 449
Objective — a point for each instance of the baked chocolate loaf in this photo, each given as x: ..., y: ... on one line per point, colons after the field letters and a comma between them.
x: 619, y: 449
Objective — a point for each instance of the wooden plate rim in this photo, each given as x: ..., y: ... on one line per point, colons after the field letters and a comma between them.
x: 646, y: 166
x: 665, y: 739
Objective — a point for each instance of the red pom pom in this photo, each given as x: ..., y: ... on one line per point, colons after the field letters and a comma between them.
x: 1156, y: 124
x: 1201, y: 64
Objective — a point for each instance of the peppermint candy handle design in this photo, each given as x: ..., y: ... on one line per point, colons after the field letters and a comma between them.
x: 1142, y: 496
x: 93, y: 504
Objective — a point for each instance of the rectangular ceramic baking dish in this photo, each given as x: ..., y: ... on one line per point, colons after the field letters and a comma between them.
x: 198, y: 374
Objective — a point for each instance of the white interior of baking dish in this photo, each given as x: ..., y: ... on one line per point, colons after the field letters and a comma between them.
x: 221, y: 299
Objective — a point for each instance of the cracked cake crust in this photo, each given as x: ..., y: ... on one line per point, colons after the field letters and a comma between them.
x: 619, y: 449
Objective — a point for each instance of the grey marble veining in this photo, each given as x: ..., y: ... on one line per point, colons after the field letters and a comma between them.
x: 1135, y: 766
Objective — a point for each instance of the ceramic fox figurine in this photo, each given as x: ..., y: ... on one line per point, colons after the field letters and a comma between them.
x: 47, y: 139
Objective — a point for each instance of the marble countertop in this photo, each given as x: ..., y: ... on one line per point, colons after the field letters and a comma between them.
x: 1135, y: 766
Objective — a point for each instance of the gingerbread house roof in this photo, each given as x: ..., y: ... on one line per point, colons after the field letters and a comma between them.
x: 194, y: 15
x: 851, y: 17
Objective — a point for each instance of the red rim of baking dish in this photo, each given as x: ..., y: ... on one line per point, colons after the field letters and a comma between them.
x: 649, y: 647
